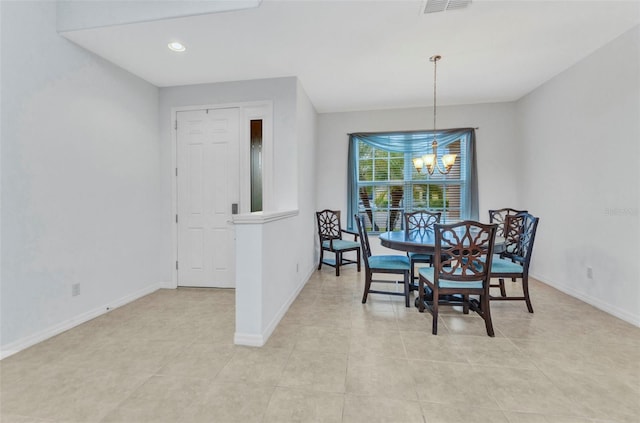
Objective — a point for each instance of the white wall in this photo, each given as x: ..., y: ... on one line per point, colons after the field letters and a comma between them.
x: 81, y: 181
x: 286, y: 253
x: 281, y: 91
x: 306, y: 130
x: 288, y: 259
x: 580, y: 160
x: 496, y: 147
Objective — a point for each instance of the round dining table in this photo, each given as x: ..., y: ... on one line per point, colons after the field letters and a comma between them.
x: 423, y: 241
x: 419, y: 241
x: 410, y: 241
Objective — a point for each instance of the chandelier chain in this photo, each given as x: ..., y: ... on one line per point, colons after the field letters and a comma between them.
x: 435, y: 70
x: 430, y: 160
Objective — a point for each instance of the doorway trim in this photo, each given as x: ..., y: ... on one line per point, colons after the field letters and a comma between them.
x: 248, y: 111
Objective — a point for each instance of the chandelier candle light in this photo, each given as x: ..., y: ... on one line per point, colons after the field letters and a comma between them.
x: 430, y: 161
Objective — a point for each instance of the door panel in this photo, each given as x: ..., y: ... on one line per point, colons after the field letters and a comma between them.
x: 207, y: 183
x: 195, y: 179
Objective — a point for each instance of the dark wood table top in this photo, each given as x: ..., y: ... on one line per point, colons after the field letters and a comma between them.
x: 418, y: 241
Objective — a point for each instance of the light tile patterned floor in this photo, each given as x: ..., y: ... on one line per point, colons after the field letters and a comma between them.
x: 169, y: 357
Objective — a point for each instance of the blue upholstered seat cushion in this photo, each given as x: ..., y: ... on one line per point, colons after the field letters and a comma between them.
x: 428, y: 273
x: 504, y: 265
x: 389, y: 262
x: 341, y: 244
x: 421, y: 257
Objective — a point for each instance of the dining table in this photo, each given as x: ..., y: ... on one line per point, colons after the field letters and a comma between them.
x: 422, y: 241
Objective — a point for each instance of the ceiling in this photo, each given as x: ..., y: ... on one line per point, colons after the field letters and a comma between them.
x: 363, y: 55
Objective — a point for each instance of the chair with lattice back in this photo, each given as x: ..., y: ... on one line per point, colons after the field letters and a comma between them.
x: 421, y: 221
x: 499, y: 216
x: 513, y: 262
x: 462, y: 259
x: 330, y: 234
x: 388, y: 264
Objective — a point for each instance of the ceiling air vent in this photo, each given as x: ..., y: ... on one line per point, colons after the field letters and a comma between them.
x: 432, y: 6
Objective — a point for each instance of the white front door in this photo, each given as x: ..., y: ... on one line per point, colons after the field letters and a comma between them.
x: 207, y: 185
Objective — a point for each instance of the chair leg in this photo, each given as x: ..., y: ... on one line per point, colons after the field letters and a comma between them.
x: 465, y: 304
x: 503, y: 291
x: 434, y: 312
x: 525, y: 289
x: 367, y: 286
x: 421, y: 296
x: 321, y: 258
x: 358, y: 254
x: 338, y: 263
x: 413, y: 270
x: 406, y: 289
x: 486, y: 314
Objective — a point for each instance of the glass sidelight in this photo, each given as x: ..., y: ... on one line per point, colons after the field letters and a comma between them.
x: 256, y: 165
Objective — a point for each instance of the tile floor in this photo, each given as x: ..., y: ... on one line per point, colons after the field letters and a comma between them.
x: 169, y: 357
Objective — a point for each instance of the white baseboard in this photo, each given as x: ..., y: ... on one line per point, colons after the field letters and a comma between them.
x: 26, y: 342
x: 249, y: 340
x: 285, y: 307
x: 596, y: 302
x: 168, y: 285
x: 253, y: 340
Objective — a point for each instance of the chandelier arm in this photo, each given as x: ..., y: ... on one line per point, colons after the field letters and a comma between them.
x: 444, y: 172
x: 436, y: 166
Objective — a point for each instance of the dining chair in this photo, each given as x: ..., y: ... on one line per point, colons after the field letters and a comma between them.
x: 513, y: 262
x: 462, y: 259
x: 393, y: 264
x: 499, y: 216
x: 421, y: 221
x: 330, y: 234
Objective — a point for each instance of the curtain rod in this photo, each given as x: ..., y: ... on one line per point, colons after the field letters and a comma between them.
x: 412, y: 132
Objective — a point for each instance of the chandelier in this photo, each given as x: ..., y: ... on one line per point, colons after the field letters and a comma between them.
x: 430, y: 161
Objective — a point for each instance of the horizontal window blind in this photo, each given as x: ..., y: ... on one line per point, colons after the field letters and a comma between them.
x: 384, y: 183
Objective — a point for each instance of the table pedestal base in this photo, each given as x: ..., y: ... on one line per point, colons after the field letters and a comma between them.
x: 449, y: 299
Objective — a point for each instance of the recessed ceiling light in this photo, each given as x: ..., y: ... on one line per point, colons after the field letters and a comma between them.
x: 176, y: 46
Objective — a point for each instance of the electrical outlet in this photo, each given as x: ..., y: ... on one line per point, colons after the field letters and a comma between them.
x: 589, y: 272
x: 75, y: 289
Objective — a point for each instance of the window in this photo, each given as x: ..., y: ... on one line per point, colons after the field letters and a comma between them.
x: 384, y: 183
x: 255, y: 160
